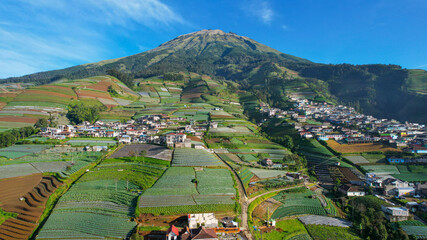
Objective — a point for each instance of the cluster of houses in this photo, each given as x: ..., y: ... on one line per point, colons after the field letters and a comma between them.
x: 146, y: 129
x: 344, y: 123
x: 201, y: 226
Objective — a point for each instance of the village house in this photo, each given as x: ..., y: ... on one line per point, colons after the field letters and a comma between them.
x: 173, y: 138
x: 391, y: 186
x: 267, y: 162
x: 125, y: 139
x: 395, y: 214
x: 351, y: 190
x: 200, y: 233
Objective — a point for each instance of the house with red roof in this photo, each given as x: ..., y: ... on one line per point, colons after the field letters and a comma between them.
x: 172, y: 233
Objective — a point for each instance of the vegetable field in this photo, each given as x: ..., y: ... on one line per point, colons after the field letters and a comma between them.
x: 286, y: 229
x: 184, y: 157
x: 357, y: 159
x: 91, y: 142
x: 420, y: 232
x: 267, y: 173
x: 322, y: 232
x: 297, y: 204
x: 17, y: 151
x: 381, y: 169
x: 101, y: 203
x: 246, y: 176
x: 182, y: 190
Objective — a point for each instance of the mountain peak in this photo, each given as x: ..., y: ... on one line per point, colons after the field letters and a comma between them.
x: 202, y: 39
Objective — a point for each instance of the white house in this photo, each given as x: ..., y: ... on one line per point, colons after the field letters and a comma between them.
x: 125, y: 139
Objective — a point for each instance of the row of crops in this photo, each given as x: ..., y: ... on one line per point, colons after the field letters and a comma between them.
x: 183, y: 190
x: 101, y: 203
x: 246, y: 176
x: 298, y: 204
x: 143, y: 174
x: 33, y: 164
x: 187, y: 157
x: 95, y: 208
x: 83, y: 142
x: 17, y: 151
x: 83, y: 225
x: 414, y: 228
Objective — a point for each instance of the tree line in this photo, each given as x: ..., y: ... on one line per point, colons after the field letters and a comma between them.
x: 10, y: 137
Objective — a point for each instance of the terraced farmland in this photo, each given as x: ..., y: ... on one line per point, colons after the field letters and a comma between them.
x: 267, y: 173
x: 297, y: 204
x: 381, y: 169
x: 184, y: 157
x: 102, y: 202
x: 35, y: 190
x: 246, y: 176
x: 17, y: 151
x: 191, y: 191
x: 92, y: 142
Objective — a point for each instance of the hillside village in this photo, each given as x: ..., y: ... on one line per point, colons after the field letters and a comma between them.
x: 154, y: 153
x: 312, y: 120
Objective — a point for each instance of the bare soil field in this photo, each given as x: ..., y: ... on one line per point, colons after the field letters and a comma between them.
x: 27, y: 197
x: 17, y: 119
x: 92, y: 94
x: 101, y: 85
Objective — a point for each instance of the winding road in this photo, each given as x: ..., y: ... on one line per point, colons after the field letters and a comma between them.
x: 245, y: 202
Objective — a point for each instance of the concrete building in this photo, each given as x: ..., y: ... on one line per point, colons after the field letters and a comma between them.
x: 202, y: 219
x: 395, y: 214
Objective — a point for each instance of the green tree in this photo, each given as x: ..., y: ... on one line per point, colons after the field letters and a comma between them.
x: 78, y: 113
x: 125, y: 78
x: 41, y: 123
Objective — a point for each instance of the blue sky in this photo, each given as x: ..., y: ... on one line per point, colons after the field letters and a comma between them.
x: 41, y: 35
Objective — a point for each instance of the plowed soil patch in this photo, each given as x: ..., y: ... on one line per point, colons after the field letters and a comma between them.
x: 222, y: 116
x: 50, y: 93
x: 101, y: 85
x: 34, y: 190
x: 17, y: 119
x: 11, y: 189
x: 191, y: 95
x: 2, y: 104
x: 91, y: 94
x: 8, y: 94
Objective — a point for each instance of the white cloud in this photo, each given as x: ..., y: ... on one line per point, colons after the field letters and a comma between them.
x: 262, y: 10
x: 284, y: 27
x: 23, y: 53
x: 148, y: 12
x: 50, y: 34
x: 424, y: 66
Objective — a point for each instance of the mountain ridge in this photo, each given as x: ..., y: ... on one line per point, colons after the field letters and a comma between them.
x: 375, y: 89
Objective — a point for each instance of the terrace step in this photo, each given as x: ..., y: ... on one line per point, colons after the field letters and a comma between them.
x: 7, y: 234
x: 26, y: 218
x: 46, y: 185
x: 18, y: 224
x: 13, y: 229
x: 31, y: 212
